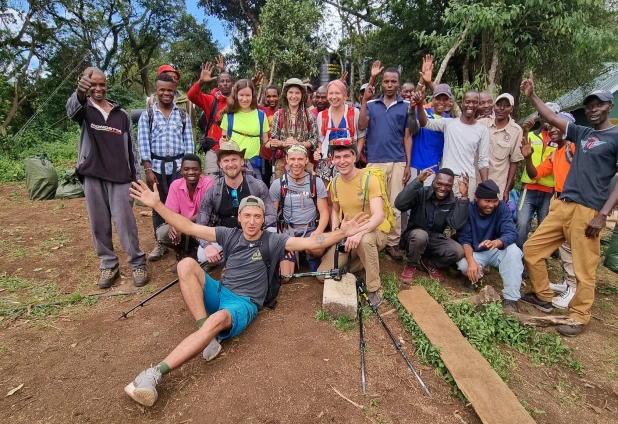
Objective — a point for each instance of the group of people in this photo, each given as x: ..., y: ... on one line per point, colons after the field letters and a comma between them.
x: 303, y: 174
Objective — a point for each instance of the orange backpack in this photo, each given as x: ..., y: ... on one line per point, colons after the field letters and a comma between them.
x: 349, y: 120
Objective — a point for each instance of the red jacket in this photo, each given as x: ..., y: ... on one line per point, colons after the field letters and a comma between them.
x: 205, y: 102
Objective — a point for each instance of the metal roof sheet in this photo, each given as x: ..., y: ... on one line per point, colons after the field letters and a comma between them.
x: 607, y: 80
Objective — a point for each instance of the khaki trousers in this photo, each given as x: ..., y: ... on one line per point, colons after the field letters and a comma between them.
x: 365, y: 256
x: 566, y: 259
x: 393, y: 172
x: 565, y: 221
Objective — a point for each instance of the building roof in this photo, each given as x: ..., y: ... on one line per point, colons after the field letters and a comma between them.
x: 607, y: 80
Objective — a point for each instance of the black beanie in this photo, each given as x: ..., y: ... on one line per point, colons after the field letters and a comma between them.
x: 487, y: 190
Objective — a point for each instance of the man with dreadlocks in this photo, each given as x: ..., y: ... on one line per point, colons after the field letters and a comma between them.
x: 292, y: 124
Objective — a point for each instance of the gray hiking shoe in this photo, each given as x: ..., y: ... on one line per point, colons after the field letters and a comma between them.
x: 143, y: 389
x: 509, y: 306
x: 212, y: 350
x: 158, y: 252
x: 375, y: 298
x: 140, y: 277
x: 108, y: 276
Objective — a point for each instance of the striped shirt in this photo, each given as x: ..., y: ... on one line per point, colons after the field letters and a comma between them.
x: 166, y: 139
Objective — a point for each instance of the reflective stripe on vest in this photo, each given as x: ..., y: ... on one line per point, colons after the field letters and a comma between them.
x: 539, y: 156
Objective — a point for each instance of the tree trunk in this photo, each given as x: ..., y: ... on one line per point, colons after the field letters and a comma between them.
x: 512, y: 75
x: 493, y: 69
x: 144, y: 75
x: 18, y: 100
x: 272, y: 72
x: 352, y: 97
x: 450, y: 54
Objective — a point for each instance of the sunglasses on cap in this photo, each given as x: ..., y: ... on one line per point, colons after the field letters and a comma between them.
x: 342, y: 142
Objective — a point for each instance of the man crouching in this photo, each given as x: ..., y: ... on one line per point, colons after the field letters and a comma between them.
x: 224, y: 309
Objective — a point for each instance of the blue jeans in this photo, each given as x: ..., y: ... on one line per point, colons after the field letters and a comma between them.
x: 508, y: 261
x: 531, y: 201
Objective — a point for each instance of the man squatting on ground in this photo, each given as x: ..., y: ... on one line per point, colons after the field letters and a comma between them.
x: 107, y: 166
x: 432, y: 209
x: 224, y: 309
x: 581, y: 211
x: 488, y: 238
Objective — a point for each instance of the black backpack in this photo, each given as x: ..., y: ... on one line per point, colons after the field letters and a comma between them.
x: 271, y: 268
x: 206, y: 143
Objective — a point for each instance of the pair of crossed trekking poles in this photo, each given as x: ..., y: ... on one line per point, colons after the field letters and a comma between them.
x: 361, y: 293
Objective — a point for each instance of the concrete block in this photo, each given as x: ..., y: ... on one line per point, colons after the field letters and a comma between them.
x: 339, y: 297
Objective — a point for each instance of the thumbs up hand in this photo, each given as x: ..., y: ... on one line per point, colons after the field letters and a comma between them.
x: 85, y: 82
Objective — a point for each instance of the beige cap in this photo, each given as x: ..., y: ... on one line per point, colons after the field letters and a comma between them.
x: 229, y: 147
x: 251, y: 201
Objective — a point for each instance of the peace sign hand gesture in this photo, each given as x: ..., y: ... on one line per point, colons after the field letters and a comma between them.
x: 528, y: 85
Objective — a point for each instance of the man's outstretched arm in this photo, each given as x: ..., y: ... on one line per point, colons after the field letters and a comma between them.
x: 140, y: 191
x: 348, y: 228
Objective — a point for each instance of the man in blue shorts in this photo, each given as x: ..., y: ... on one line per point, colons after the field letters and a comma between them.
x: 224, y: 309
x: 301, y: 201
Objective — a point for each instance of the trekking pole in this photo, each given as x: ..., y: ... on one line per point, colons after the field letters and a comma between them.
x: 272, y: 164
x: 161, y: 290
x: 335, y: 274
x: 361, y: 344
x: 361, y: 290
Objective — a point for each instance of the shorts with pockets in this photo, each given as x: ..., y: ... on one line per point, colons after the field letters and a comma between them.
x: 242, y: 310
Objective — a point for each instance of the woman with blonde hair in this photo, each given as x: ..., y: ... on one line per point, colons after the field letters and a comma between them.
x: 339, y: 121
x: 292, y: 124
x: 243, y: 123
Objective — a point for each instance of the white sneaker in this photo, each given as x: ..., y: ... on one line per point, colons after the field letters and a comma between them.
x: 212, y: 350
x: 564, y: 299
x: 558, y: 287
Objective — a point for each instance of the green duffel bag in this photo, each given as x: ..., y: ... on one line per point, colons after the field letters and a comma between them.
x: 70, y: 187
x: 41, y: 178
x: 611, y: 254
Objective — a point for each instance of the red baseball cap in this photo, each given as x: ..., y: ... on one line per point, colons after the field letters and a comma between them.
x: 167, y: 68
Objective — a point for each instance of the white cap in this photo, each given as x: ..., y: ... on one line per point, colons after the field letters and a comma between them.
x: 506, y: 96
x: 364, y: 86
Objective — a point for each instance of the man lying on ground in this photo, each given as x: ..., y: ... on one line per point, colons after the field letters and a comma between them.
x: 488, y: 238
x: 225, y: 308
x: 432, y: 209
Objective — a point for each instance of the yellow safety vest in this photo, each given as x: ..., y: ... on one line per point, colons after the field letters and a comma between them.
x: 539, y: 155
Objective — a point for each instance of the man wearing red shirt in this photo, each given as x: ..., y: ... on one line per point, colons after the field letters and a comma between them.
x: 212, y: 104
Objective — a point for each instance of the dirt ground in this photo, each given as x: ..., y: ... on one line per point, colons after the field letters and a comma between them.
x: 287, y: 367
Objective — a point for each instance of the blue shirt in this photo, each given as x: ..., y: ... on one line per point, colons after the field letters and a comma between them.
x: 166, y: 139
x: 427, y: 145
x: 498, y: 225
x: 386, y: 130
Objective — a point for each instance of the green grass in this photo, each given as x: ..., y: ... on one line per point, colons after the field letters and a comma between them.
x: 606, y: 289
x: 342, y: 323
x: 3, y: 348
x: 18, y: 252
x: 36, y: 299
x: 56, y: 241
x: 495, y: 335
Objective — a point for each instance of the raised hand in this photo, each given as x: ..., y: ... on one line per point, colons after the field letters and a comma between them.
x: 351, y: 227
x: 257, y: 79
x: 526, y: 148
x: 528, y: 85
x: 376, y: 69
x: 220, y: 64
x: 425, y: 173
x: 528, y: 124
x: 140, y: 191
x: 427, y: 68
x: 416, y: 100
x: 464, y: 183
x: 206, y: 74
x: 85, y: 82
x: 369, y: 92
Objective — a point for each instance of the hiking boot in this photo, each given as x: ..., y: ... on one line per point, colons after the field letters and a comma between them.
x: 470, y: 286
x: 179, y: 257
x: 158, y: 252
x: 108, y: 276
x: 394, y: 252
x: 143, y: 389
x: 509, y: 306
x: 212, y: 350
x: 431, y: 270
x: 570, y: 330
x: 375, y: 298
x: 407, y: 275
x: 562, y: 301
x: 541, y: 305
x: 140, y: 277
x: 558, y: 287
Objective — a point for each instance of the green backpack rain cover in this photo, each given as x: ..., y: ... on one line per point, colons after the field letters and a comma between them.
x: 70, y: 187
x: 41, y: 178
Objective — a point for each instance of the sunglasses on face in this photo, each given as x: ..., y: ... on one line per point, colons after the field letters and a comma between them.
x: 234, y: 195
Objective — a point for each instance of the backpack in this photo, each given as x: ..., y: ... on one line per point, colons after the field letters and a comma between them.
x: 283, y: 180
x: 389, y: 217
x: 230, y: 126
x: 183, y: 118
x: 218, y: 194
x: 206, y: 143
x: 349, y: 119
x: 41, y: 178
x: 271, y: 268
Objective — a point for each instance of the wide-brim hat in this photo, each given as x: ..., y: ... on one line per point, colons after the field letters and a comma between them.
x: 230, y: 147
x: 296, y: 82
x: 343, y: 144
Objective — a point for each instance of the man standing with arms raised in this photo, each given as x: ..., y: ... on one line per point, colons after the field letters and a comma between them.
x: 464, y: 138
x: 581, y: 211
x: 389, y: 142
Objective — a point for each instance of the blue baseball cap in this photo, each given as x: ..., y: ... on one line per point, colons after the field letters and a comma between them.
x: 602, y: 95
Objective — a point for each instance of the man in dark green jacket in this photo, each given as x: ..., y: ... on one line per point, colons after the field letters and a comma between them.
x: 432, y: 209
